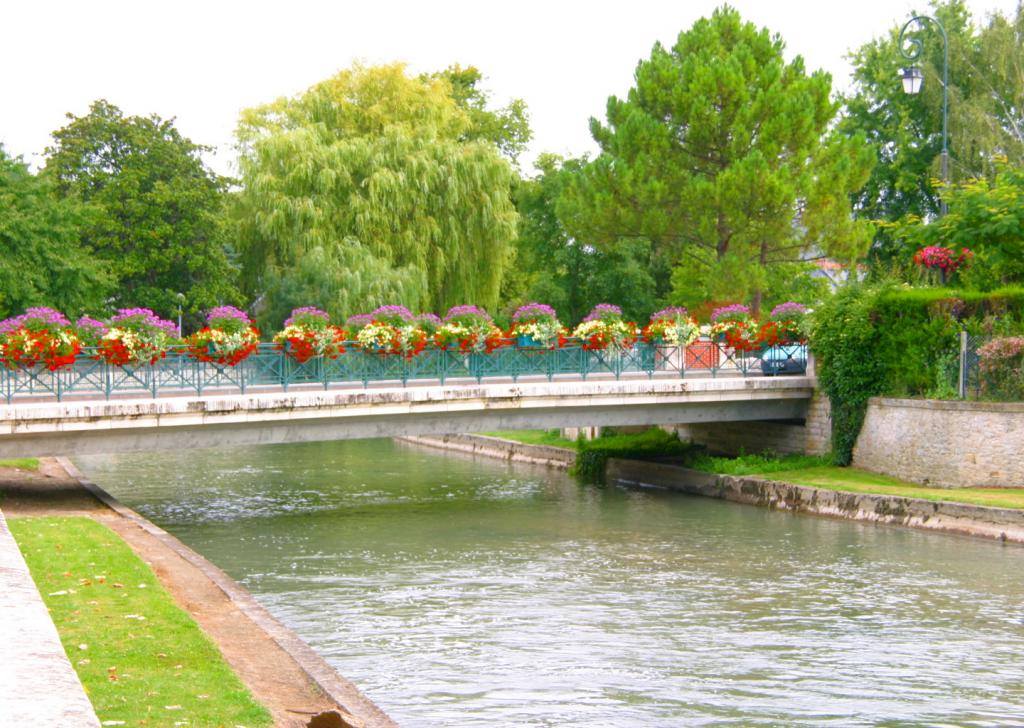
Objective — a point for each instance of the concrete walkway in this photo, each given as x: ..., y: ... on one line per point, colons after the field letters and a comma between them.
x: 38, y: 686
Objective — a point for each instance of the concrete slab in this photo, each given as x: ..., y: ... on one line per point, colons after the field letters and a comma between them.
x: 38, y: 686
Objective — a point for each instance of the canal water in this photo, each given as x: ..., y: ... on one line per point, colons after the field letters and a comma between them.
x: 472, y: 592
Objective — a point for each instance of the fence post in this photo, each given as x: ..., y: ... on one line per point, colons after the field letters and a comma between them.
x: 962, y: 385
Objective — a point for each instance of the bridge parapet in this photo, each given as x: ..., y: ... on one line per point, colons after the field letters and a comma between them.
x: 50, y: 428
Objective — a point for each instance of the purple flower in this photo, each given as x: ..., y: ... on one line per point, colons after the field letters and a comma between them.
x: 143, y: 318
x: 38, y: 317
x: 467, y: 311
x: 400, y: 312
x: 228, y: 312
x: 89, y: 330
x: 672, y: 312
x: 732, y: 312
x: 604, y: 311
x: 532, y: 311
x: 789, y: 309
x: 430, y: 318
x: 9, y: 325
x: 304, y: 314
x: 359, y: 320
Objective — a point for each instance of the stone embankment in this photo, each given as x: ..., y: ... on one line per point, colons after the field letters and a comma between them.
x: 1005, y: 524
x: 944, y: 444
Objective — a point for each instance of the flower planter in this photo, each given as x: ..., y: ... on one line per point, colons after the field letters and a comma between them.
x: 702, y: 355
x: 525, y: 341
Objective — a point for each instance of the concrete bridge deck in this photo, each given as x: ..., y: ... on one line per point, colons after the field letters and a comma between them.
x: 185, y: 422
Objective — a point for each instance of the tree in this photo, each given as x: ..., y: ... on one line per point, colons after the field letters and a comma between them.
x: 986, y: 112
x: 507, y: 128
x: 722, y: 156
x: 159, y: 228
x: 377, y: 172
x: 42, y: 261
x: 553, y: 267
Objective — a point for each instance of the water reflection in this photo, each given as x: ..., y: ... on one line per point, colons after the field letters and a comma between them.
x: 466, y: 592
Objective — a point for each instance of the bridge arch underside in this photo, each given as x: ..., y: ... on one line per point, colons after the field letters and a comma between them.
x: 71, y: 428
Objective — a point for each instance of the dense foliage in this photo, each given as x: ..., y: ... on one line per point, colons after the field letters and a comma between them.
x: 369, y: 188
x: 158, y: 227
x: 42, y: 259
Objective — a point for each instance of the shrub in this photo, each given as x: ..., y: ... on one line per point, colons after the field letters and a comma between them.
x: 1001, y: 368
x: 593, y: 454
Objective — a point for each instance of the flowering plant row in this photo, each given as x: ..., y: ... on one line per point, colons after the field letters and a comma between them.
x: 137, y: 336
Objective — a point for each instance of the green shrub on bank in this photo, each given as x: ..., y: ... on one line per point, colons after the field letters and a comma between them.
x: 592, y: 455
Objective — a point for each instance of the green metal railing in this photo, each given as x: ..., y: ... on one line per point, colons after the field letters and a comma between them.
x: 270, y: 369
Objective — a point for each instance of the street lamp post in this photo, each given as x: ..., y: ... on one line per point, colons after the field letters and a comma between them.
x: 181, y: 302
x: 913, y: 78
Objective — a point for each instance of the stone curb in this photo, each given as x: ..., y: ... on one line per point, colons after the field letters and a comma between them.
x: 1003, y: 524
x: 337, y: 688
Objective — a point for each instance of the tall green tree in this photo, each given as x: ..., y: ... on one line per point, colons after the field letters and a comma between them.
x: 379, y: 173
x: 159, y: 230
x: 722, y: 155
x: 42, y: 260
x: 553, y: 267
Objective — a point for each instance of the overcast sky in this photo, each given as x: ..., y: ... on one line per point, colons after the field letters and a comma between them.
x: 202, y: 62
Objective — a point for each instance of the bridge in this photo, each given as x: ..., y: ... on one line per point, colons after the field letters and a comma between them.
x: 187, y: 422
x: 183, y: 404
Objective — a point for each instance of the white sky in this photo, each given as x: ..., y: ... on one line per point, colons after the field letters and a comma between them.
x: 202, y: 62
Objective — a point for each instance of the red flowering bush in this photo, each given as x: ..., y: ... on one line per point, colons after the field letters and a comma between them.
x: 307, y: 333
x: 136, y: 336
x: 944, y: 260
x: 228, y: 338
x: 39, y: 336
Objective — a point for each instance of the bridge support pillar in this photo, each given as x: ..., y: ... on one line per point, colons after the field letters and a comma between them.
x: 587, y: 433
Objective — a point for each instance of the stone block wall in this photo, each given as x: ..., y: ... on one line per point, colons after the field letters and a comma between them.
x: 812, y: 437
x: 945, y: 444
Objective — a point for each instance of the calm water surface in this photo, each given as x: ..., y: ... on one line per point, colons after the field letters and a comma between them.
x: 461, y: 592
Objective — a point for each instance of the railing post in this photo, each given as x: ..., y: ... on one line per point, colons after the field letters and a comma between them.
x: 962, y: 384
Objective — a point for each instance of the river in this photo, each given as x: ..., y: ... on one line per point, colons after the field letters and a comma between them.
x: 471, y: 592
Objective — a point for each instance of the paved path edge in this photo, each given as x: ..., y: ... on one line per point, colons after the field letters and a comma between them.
x: 34, y: 657
x: 336, y: 687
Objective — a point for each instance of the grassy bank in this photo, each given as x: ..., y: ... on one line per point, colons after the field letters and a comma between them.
x: 811, y: 470
x: 141, y: 658
x: 816, y: 472
x: 21, y: 463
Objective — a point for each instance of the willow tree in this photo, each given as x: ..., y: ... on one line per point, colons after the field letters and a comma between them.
x: 722, y: 155
x: 368, y: 189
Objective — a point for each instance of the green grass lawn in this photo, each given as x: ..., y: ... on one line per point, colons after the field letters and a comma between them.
x: 141, y: 659
x: 534, y: 437
x: 21, y: 463
x: 854, y: 480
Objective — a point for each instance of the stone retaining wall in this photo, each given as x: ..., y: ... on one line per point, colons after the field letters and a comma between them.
x: 945, y: 444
